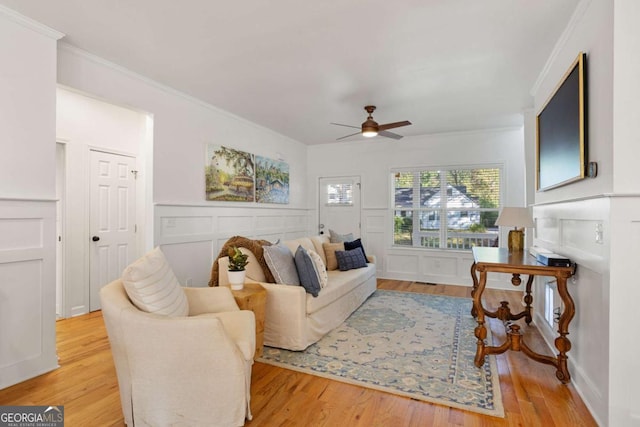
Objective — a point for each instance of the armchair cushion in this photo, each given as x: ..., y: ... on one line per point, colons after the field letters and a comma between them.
x: 210, y: 300
x: 153, y: 287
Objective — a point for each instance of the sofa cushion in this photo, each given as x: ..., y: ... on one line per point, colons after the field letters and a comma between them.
x: 153, y: 287
x: 307, y: 271
x: 355, y: 244
x: 253, y: 269
x: 352, y: 259
x: 321, y: 269
x: 337, y: 238
x: 293, y: 244
x: 330, y: 254
x: 340, y: 284
x: 318, y: 241
x: 282, y: 265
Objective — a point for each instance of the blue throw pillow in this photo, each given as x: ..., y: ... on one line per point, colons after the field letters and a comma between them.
x: 307, y: 272
x: 349, y: 260
x: 355, y: 244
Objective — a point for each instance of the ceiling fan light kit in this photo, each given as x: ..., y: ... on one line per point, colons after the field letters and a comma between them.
x: 371, y: 128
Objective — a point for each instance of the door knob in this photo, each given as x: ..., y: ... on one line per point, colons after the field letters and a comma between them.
x: 95, y: 238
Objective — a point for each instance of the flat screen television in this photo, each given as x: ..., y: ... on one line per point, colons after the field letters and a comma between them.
x: 561, y: 131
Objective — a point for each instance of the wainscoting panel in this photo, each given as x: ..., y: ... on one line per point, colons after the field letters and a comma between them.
x: 27, y: 289
x: 580, y: 235
x: 439, y: 266
x: 188, y: 261
x: 23, y: 281
x: 373, y: 235
x: 185, y: 226
x: 580, y: 231
x: 241, y: 225
x: 20, y: 233
x: 191, y: 236
x: 405, y: 267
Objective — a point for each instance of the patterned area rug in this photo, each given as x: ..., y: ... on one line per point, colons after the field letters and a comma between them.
x: 416, y: 345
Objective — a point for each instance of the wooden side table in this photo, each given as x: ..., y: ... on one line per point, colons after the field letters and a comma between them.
x: 254, y: 297
x: 499, y: 260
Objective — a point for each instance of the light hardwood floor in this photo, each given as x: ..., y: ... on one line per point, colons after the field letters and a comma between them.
x: 86, y: 385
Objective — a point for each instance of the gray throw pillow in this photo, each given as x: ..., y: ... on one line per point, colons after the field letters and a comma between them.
x: 307, y: 272
x: 338, y: 238
x: 349, y: 260
x: 281, y: 264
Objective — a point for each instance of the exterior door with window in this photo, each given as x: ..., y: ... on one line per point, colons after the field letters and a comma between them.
x: 112, y: 220
x: 339, y: 208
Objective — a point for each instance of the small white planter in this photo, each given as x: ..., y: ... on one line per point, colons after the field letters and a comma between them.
x: 236, y: 279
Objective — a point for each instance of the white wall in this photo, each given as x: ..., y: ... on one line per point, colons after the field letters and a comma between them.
x: 188, y: 228
x: 84, y: 123
x: 27, y: 198
x: 27, y: 75
x: 590, y: 32
x: 373, y: 161
x: 603, y: 360
x: 625, y: 218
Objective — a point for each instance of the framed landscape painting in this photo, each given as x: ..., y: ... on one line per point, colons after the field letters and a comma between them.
x: 272, y: 181
x: 229, y: 174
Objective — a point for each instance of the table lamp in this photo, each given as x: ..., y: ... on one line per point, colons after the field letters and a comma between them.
x: 516, y: 217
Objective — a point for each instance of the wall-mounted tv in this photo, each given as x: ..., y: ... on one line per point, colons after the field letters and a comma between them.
x: 561, y: 131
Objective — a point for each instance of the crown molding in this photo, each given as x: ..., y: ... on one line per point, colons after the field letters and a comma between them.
x: 560, y: 44
x: 62, y: 46
x: 30, y: 23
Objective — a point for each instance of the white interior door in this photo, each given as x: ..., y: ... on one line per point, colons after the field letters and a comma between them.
x: 112, y: 220
x: 339, y: 208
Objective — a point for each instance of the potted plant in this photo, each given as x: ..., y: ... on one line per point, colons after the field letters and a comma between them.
x: 236, y: 272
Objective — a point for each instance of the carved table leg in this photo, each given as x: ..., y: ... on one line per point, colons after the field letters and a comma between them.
x: 528, y: 299
x: 562, y: 342
x: 474, y: 288
x: 480, y: 331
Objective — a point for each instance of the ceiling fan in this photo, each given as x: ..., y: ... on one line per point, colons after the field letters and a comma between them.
x: 371, y: 128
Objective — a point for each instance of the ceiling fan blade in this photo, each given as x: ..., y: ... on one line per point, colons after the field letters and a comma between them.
x: 393, y: 125
x: 347, y: 126
x: 390, y: 134
x: 347, y: 136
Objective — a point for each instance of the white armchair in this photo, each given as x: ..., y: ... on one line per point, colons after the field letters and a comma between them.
x: 189, y: 371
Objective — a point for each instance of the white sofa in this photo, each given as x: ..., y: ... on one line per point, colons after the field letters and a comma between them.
x: 295, y: 319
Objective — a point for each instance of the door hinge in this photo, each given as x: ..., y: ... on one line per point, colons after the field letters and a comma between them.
x: 135, y: 228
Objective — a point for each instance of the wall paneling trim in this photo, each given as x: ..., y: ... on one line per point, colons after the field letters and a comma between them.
x: 27, y: 289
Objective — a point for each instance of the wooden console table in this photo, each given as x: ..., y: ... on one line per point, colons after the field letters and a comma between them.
x: 254, y: 297
x: 499, y: 260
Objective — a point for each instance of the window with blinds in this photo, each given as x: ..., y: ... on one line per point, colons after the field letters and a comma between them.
x: 446, y: 208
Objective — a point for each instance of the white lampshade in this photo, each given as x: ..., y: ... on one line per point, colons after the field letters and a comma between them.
x: 515, y: 217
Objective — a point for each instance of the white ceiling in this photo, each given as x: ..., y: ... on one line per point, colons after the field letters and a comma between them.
x: 295, y: 66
